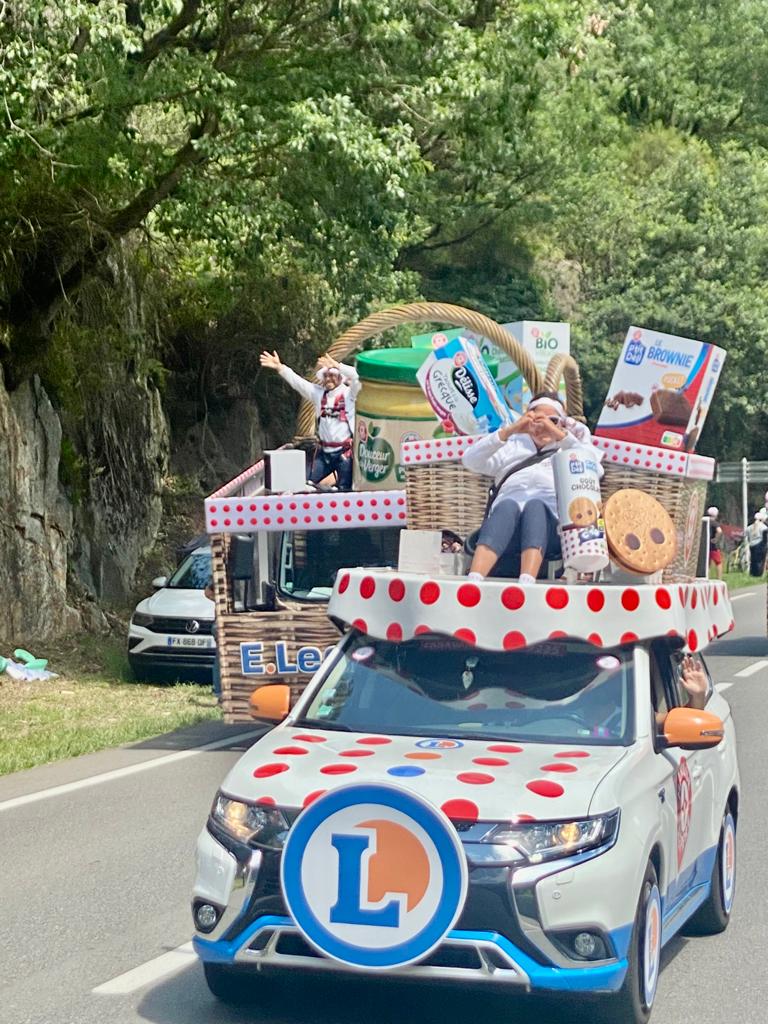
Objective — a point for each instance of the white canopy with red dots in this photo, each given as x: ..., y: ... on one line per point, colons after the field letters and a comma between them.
x: 499, y: 615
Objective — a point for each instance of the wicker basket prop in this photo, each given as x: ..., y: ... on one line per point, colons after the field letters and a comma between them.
x: 685, y: 501
x: 448, y: 496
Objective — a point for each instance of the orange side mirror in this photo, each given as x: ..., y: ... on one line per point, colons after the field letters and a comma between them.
x: 272, y: 701
x: 691, y: 729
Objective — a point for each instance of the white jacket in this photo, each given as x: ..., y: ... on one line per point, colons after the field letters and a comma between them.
x: 330, y: 428
x: 494, y: 457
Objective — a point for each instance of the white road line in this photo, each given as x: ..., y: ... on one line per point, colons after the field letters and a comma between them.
x: 119, y: 773
x: 738, y: 597
x: 152, y: 970
x: 721, y: 687
x: 751, y: 669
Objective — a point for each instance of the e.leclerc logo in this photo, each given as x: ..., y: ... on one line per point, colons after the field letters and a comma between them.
x: 373, y: 876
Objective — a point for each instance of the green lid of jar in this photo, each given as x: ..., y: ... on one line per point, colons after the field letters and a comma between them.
x: 399, y: 365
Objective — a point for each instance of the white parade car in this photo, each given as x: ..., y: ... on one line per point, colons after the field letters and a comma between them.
x: 485, y: 783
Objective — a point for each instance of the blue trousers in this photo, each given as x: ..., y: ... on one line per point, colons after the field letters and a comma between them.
x: 509, y: 529
x: 339, y: 462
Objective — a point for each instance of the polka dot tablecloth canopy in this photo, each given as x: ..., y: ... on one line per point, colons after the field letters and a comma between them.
x: 331, y: 511
x: 499, y: 615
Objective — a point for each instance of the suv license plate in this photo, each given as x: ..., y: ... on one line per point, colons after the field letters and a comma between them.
x: 190, y: 641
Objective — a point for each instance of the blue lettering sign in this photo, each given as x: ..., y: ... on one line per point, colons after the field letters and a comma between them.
x: 250, y: 659
x: 347, y: 909
x: 309, y: 659
x: 282, y: 661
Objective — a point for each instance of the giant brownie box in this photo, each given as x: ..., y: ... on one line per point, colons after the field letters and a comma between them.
x: 661, y: 390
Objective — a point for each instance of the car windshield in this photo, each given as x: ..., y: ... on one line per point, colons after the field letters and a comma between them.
x: 309, y: 560
x: 194, y: 573
x: 557, y: 691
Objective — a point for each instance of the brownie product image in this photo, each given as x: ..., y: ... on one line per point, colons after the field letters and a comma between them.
x: 671, y: 407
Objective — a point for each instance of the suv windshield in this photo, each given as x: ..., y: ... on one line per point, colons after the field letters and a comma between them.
x: 435, y: 686
x: 194, y: 573
x: 310, y: 559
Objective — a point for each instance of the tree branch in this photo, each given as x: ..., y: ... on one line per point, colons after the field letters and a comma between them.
x: 165, y: 36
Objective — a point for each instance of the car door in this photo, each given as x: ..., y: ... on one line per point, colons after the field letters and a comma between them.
x: 694, y: 784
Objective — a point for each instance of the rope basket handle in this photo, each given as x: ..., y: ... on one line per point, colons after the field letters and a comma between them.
x: 427, y: 312
x: 564, y: 367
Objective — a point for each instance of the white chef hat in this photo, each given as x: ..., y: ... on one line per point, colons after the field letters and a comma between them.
x: 324, y: 371
x: 713, y: 511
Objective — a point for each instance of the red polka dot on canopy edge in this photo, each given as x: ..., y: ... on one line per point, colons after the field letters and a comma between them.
x: 466, y: 635
x: 557, y: 597
x: 266, y: 801
x: 505, y: 748
x: 396, y: 590
x: 338, y: 769
x: 561, y: 767
x: 628, y: 638
x: 545, y: 787
x: 630, y: 599
x: 475, y: 778
x: 595, y: 600
x: 343, y: 583
x: 374, y: 741
x: 663, y: 600
x: 429, y: 593
x: 367, y: 587
x: 265, y: 770
x: 311, y: 797
x: 513, y: 598
x: 394, y: 632
x: 557, y: 634
x: 460, y: 810
x: 468, y: 595
x: 311, y: 739
x: 513, y: 640
x: 360, y: 624
x: 693, y: 640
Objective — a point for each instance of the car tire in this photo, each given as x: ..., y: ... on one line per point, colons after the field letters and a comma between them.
x: 713, y: 915
x: 633, y: 1003
x: 231, y: 985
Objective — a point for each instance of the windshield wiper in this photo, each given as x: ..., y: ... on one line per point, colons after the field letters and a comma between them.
x: 319, y: 723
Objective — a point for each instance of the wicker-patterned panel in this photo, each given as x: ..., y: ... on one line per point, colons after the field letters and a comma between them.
x: 445, y: 496
x: 299, y: 625
x: 684, y: 499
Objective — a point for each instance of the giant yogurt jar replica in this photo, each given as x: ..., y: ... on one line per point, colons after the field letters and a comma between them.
x: 485, y: 783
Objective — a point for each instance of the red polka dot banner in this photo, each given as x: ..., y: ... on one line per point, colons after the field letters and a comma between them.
x: 439, y: 449
x: 343, y: 510
x: 660, y: 460
x: 500, y: 616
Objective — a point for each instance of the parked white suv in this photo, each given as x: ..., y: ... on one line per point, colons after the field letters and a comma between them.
x: 171, y: 635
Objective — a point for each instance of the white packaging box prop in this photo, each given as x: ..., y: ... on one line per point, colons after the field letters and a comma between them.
x: 285, y: 471
x: 542, y: 339
x: 580, y: 508
x: 661, y: 390
x: 420, y: 551
x: 460, y: 388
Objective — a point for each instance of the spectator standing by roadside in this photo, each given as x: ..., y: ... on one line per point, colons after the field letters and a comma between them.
x: 715, y: 541
x: 757, y: 538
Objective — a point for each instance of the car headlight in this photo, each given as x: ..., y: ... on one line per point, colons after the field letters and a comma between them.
x: 250, y: 823
x: 142, y: 619
x: 547, y: 840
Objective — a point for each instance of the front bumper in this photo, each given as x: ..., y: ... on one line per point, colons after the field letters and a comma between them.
x: 499, y: 938
x: 170, y: 651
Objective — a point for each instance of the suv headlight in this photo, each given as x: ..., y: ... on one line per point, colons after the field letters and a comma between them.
x: 141, y: 619
x: 548, y: 840
x: 249, y: 823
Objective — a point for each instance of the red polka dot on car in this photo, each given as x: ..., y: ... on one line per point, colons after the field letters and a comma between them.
x: 374, y: 741
x: 311, y: 797
x: 423, y: 755
x: 266, y: 801
x: 573, y: 753
x: 545, y: 787
x: 461, y: 810
x: 561, y: 767
x: 311, y: 739
x: 505, y: 748
x: 357, y: 753
x: 265, y: 770
x: 475, y: 778
x: 338, y: 769
x: 468, y: 595
x: 490, y: 762
x: 290, y: 750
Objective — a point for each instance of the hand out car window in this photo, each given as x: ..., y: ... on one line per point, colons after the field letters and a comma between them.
x: 553, y: 692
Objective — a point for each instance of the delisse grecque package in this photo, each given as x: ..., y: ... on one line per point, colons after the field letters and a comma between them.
x: 461, y: 389
x: 661, y: 390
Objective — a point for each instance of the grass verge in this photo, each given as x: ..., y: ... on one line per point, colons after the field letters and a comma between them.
x: 737, y: 579
x: 92, y: 705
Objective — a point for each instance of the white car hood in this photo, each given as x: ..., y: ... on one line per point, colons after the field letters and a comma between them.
x: 488, y: 780
x: 172, y: 602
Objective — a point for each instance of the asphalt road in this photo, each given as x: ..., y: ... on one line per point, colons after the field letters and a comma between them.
x: 96, y: 868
